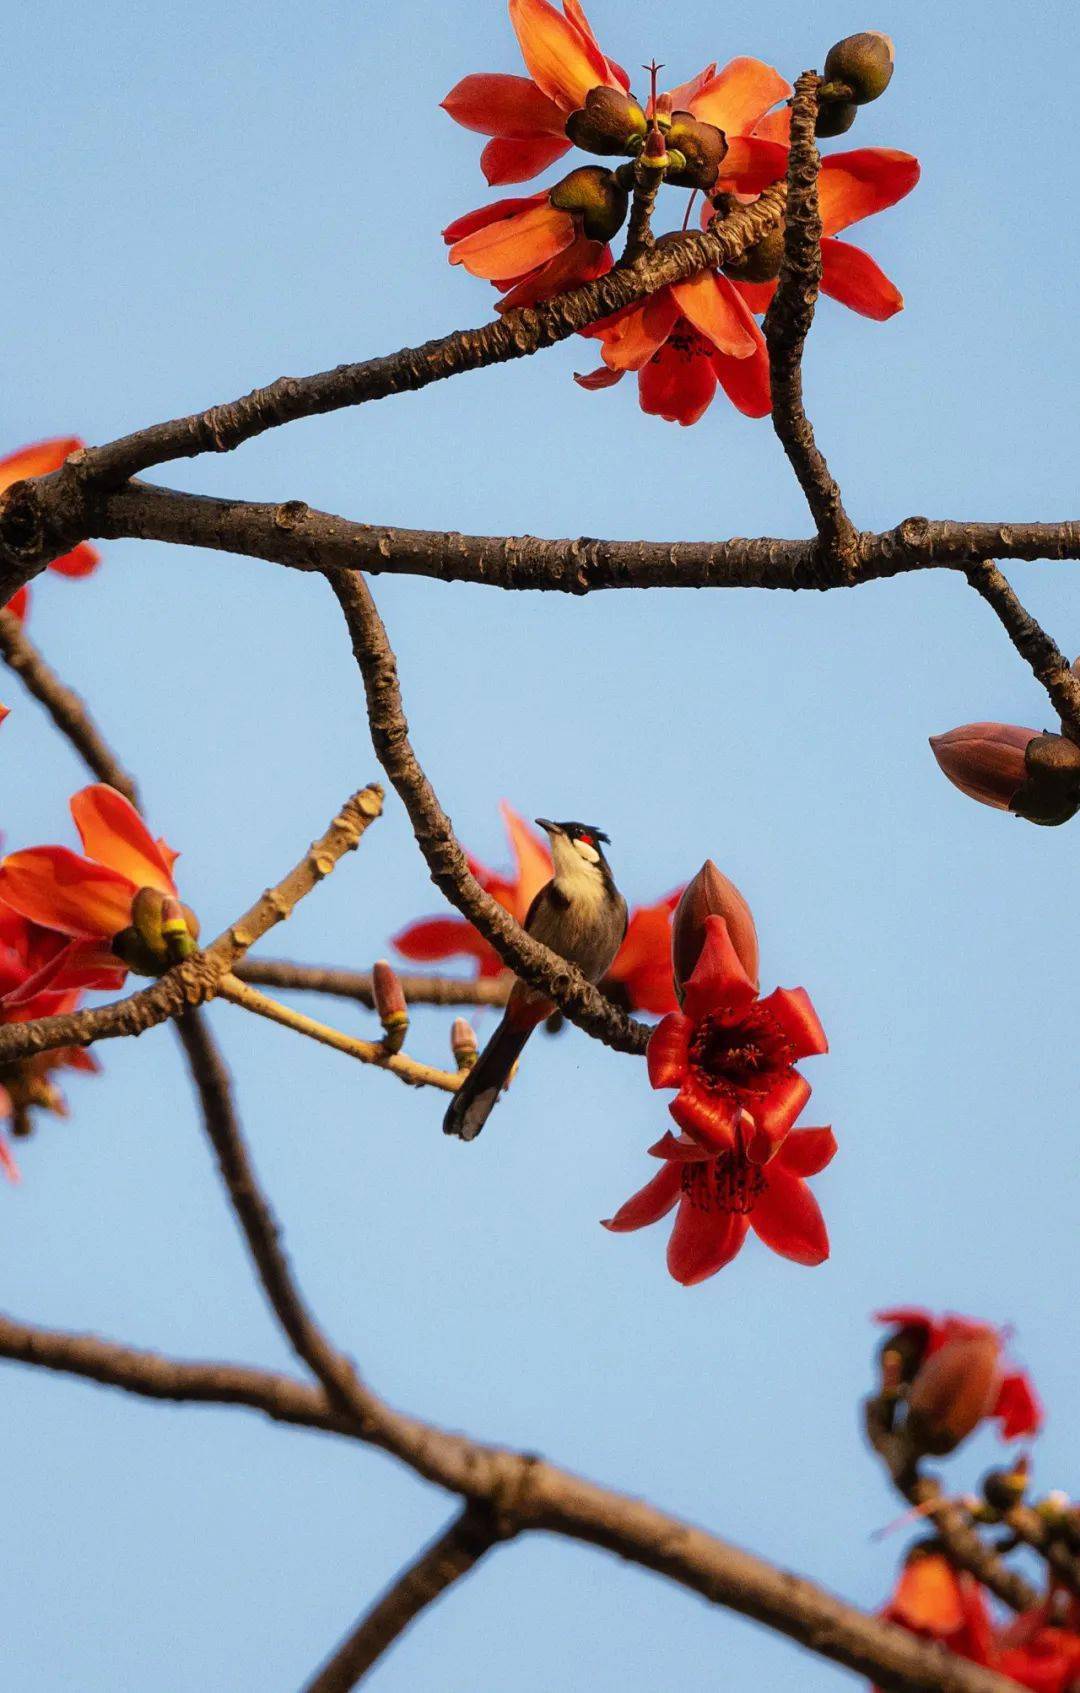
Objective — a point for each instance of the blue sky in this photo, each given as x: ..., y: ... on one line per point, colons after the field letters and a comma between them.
x: 203, y: 199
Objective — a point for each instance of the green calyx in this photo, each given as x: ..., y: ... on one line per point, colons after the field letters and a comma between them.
x: 596, y: 196
x: 609, y: 123
x: 861, y: 65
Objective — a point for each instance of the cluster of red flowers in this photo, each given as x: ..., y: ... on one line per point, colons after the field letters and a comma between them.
x: 722, y: 133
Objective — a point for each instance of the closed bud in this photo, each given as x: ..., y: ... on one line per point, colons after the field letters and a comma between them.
x: 953, y: 1391
x: 610, y: 122
x: 390, y: 1004
x: 595, y: 196
x: 985, y: 760
x: 862, y: 64
x: 1002, y: 1489
x: 761, y: 262
x: 835, y: 117
x: 162, y: 932
x: 463, y: 1043
x: 702, y: 146
x: 177, y: 937
x: 710, y: 894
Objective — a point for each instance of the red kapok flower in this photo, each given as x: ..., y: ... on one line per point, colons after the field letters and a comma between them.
x: 118, y: 905
x: 39, y: 460
x: 934, y: 1600
x: 720, y: 1198
x: 527, y: 116
x: 955, y: 1379
x: 527, y: 247
x: 1040, y: 1654
x: 732, y: 1056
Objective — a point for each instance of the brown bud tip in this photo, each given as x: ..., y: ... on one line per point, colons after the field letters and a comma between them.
x: 655, y: 149
x: 596, y: 196
x: 711, y: 894
x: 762, y: 261
x: 463, y: 1043
x: 702, y: 147
x: 985, y: 760
x: 610, y: 122
x: 835, y: 117
x: 954, y: 1390
x: 864, y: 62
x: 387, y: 992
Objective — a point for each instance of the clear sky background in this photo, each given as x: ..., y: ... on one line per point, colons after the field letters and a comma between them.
x: 199, y: 199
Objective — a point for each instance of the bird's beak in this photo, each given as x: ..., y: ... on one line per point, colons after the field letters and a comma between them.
x: 546, y: 823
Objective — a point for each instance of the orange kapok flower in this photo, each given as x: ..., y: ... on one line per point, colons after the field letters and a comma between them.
x: 720, y: 1198
x: 118, y: 905
x: 953, y: 1378
x: 732, y: 1056
x: 39, y: 460
x: 938, y: 1602
x: 544, y: 243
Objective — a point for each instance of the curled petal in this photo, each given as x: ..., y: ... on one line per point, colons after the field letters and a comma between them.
x: 113, y: 833
x: 856, y: 280
x: 651, y: 1203
x: 719, y: 981
x: 679, y: 381
x: 1018, y: 1407
x: 709, y: 1118
x: 714, y: 308
x: 582, y: 261
x: 508, y: 106
x: 596, y: 379
x: 677, y: 1148
x: 856, y: 185
x: 81, y: 561
x: 806, y: 1151
x: 669, y: 1051
x: 774, y: 1113
x: 788, y: 1219
x: 633, y: 335
x: 740, y: 95
x: 513, y: 160
x: 562, y: 61
x: 60, y: 890
x: 702, y: 1242
x: 792, y: 1012
x: 514, y: 245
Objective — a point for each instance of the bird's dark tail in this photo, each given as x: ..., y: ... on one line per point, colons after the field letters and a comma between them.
x: 474, y: 1101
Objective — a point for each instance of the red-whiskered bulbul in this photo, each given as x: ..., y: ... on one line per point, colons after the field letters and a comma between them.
x: 581, y: 915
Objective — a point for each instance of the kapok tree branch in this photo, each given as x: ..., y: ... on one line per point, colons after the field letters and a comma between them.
x: 38, y: 519
x: 537, y: 964
x: 452, y: 1555
x: 64, y: 706
x: 787, y: 325
x: 1048, y: 663
x: 196, y: 980
x: 529, y: 1493
x: 357, y: 984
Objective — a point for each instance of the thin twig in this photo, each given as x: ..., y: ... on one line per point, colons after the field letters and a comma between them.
x: 1034, y: 645
x: 356, y: 984
x: 454, y: 1554
x: 787, y: 325
x: 367, y: 1052
x: 537, y: 964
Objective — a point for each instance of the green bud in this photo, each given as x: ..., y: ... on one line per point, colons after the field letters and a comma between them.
x: 609, y: 122
x: 835, y: 117
x: 761, y: 262
x: 702, y: 146
x: 133, y: 951
x: 596, y: 196
x: 864, y: 63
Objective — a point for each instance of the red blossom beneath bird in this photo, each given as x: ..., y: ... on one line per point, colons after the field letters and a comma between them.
x: 40, y: 460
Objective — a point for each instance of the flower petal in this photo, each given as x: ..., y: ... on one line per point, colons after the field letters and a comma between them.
x: 532, y: 855
x: 702, y: 1242
x: 852, y: 277
x: 562, y: 61
x: 508, y: 106
x: 775, y: 126
x: 856, y: 185
x: 711, y: 304
x: 719, y: 981
x: 746, y: 382
x: 793, y: 1013
x: 643, y: 962
x: 678, y: 99
x: 37, y: 460
x: 79, y: 562
x: 806, y: 1151
x: 773, y: 1113
x: 113, y: 833
x: 788, y: 1219
x: 708, y: 1118
x: 739, y: 95
x: 483, y: 215
x: 57, y: 888
x: 514, y: 245
x: 432, y: 939
x: 78, y: 965
x: 19, y: 603
x: 595, y: 379
x: 633, y: 335
x: 751, y: 163
x: 758, y: 296
x: 505, y: 161
x: 676, y: 1148
x: 582, y: 261
x: 1018, y: 1407
x: 652, y: 1202
x: 669, y: 1051
x: 679, y: 381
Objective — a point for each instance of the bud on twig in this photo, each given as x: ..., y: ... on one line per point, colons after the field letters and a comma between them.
x: 596, y: 196
x: 1035, y: 775
x: 1002, y: 1489
x: 697, y: 150
x: 463, y: 1043
x: 609, y: 122
x: 390, y: 1004
x: 710, y: 894
x: 859, y: 68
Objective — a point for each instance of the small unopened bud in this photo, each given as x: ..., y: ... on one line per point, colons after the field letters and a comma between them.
x: 610, y: 122
x: 702, y: 146
x: 835, y: 117
x: 863, y: 64
x: 655, y: 151
x: 390, y: 1004
x: 463, y: 1043
x: 761, y: 262
x: 710, y: 894
x: 1002, y: 1489
x: 596, y: 196
x: 953, y: 1391
x: 178, y: 940
x: 985, y: 760
x: 162, y: 932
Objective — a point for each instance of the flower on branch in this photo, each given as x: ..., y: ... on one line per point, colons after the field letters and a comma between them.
x: 937, y: 1602
x: 1032, y: 774
x: 1042, y: 1653
x: 949, y: 1374
x: 118, y: 906
x: 640, y: 978
x: 538, y: 246
x: 40, y: 460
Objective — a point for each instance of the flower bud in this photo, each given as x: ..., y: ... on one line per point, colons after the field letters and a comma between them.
x: 953, y: 1391
x: 463, y: 1043
x: 390, y: 1004
x: 162, y: 932
x: 702, y: 146
x: 596, y: 196
x: 761, y: 262
x: 710, y: 894
x: 178, y: 939
x: 1002, y: 1489
x: 985, y: 760
x: 609, y: 122
x: 835, y: 117
x: 864, y: 63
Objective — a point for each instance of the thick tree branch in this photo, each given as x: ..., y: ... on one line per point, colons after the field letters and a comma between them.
x: 196, y: 980
x: 457, y: 1550
x: 537, y: 964
x: 528, y: 1493
x: 357, y: 985
x: 787, y: 325
x: 1049, y: 664
x: 63, y: 705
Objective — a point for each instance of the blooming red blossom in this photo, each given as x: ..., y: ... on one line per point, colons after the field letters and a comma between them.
x: 721, y: 1197
x: 39, y: 460
x: 732, y: 1056
x: 121, y: 895
x: 940, y: 1603
x: 640, y: 978
x: 955, y: 1378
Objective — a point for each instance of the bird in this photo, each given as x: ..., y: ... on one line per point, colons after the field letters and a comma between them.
x: 581, y: 915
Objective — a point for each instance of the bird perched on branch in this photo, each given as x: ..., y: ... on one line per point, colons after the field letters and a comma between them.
x: 581, y: 915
